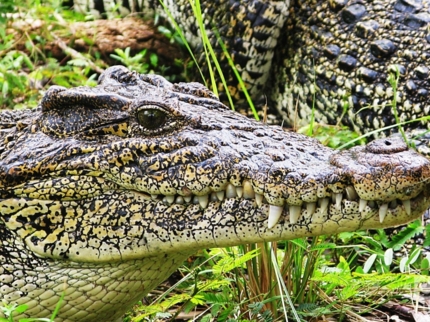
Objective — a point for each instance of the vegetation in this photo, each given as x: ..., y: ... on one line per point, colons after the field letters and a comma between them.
x: 345, y: 276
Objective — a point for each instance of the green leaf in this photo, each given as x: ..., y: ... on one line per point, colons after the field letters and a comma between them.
x: 216, y: 298
x: 425, y: 264
x: 21, y: 308
x: 223, y: 315
x: 301, y: 242
x: 414, y: 256
x: 153, y: 58
x: 388, y: 256
x: 256, y: 307
x: 409, y: 232
x: 369, y: 263
x: 349, y: 291
x: 403, y: 264
x: 165, y: 31
x: 427, y: 239
x: 5, y: 88
x: 374, y: 245
x: 78, y: 62
x: 16, y: 81
x: 383, y: 238
x: 207, y: 318
x: 229, y: 263
x: 343, y: 265
x: 323, y: 246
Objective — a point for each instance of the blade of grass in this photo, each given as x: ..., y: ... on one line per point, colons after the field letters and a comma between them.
x: 236, y: 73
x: 180, y: 33
x: 282, y: 287
x: 393, y: 79
x: 424, y: 118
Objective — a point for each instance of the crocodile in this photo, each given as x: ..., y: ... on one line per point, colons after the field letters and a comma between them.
x: 328, y: 61
x: 105, y: 191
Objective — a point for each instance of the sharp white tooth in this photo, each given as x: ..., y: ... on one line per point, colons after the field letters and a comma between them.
x: 179, y: 200
x: 188, y: 198
x: 230, y: 191
x: 275, y: 213
x: 203, y: 201
x: 170, y: 199
x: 239, y: 191
x: 220, y: 195
x: 361, y: 205
x: 310, y: 207
x: 383, y: 209
x: 214, y: 198
x: 155, y: 197
x: 338, y: 200
x: 295, y: 212
x: 351, y: 194
x: 324, y: 206
x: 407, y: 205
x: 258, y: 199
x: 248, y: 191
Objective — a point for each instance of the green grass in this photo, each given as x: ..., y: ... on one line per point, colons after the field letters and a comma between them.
x: 340, y: 276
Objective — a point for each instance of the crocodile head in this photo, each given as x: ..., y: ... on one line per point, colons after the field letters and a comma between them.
x: 105, y: 190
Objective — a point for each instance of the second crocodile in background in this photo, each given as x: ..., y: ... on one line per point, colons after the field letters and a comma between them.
x: 105, y: 191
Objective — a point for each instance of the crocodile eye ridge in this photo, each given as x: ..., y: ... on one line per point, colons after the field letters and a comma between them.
x: 151, y: 118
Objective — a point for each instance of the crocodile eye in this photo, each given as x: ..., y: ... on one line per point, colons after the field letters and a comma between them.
x: 151, y: 119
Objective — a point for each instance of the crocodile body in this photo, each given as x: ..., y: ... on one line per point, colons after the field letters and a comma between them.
x: 105, y: 191
x: 316, y: 59
x: 343, y: 62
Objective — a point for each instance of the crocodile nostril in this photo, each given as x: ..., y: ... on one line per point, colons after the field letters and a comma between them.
x: 387, y: 146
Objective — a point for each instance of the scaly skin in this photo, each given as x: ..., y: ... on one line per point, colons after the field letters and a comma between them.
x: 105, y: 191
x: 337, y: 56
x: 320, y: 59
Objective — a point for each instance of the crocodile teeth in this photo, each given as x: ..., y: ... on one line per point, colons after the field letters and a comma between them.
x: 351, y: 194
x: 239, y: 191
x: 169, y: 199
x: 179, y: 200
x: 310, y: 207
x: 295, y: 214
x: 274, y: 215
x: 220, y: 195
x: 188, y: 198
x: 383, y: 209
x: 154, y: 197
x: 258, y: 199
x: 362, y: 204
x: 248, y: 191
x: 407, y: 205
x: 230, y: 192
x: 214, y: 197
x: 338, y: 197
x: 203, y: 201
x: 324, y: 206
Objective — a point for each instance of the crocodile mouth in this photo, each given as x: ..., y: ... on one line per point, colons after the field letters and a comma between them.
x: 344, y: 202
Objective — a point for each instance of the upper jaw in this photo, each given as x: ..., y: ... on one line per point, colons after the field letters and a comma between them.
x: 380, y: 180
